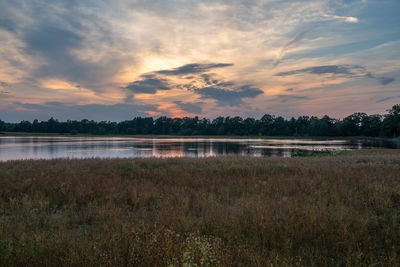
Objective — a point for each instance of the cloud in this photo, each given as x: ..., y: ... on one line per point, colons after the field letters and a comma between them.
x: 385, y: 80
x: 348, y: 70
x: 194, y: 108
x: 7, y: 24
x: 159, y: 80
x: 103, y: 46
x: 284, y: 49
x: 193, y: 68
x: 66, y: 40
x: 207, y: 85
x: 227, y: 97
x: 3, y: 84
x: 381, y: 80
x: 289, y: 98
x: 52, y: 42
x: 386, y: 99
x: 53, y: 46
x: 343, y: 18
x: 149, y: 85
x: 343, y: 70
x: 55, y: 49
x: 4, y: 94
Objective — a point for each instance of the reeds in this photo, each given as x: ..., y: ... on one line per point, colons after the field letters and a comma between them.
x: 223, y: 211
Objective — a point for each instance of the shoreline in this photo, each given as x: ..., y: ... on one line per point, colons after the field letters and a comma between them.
x: 29, y: 134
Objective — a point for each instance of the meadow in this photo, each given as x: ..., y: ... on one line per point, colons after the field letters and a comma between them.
x: 341, y: 210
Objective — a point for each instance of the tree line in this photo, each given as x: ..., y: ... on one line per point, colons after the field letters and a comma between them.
x: 357, y: 124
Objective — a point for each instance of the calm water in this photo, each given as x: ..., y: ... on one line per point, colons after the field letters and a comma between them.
x: 12, y: 148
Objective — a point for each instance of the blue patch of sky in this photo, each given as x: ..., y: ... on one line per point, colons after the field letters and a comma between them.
x: 346, y: 48
x: 379, y: 23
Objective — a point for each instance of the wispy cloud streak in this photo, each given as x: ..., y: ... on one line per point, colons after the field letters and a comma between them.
x: 300, y: 36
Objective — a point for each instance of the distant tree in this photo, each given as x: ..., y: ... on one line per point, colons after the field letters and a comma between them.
x: 23, y: 126
x: 52, y: 125
x: 395, y: 110
x: 234, y: 126
x: 279, y: 126
x: 303, y: 126
x: 218, y: 126
x: 351, y: 125
x: 391, y: 122
x: 268, y: 125
x: 2, y: 125
x: 162, y: 125
x: 204, y: 126
x: 250, y: 126
x: 319, y: 127
x: 371, y: 125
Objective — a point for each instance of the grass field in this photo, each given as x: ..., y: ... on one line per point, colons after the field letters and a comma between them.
x: 225, y: 211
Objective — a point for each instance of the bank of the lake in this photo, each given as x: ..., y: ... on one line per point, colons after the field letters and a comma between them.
x: 321, y: 211
x: 27, y: 134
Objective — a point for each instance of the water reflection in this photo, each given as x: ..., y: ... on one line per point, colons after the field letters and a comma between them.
x: 110, y: 147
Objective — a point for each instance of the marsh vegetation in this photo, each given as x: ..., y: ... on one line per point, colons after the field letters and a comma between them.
x: 222, y: 211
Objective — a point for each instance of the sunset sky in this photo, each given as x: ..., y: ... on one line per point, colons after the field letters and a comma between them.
x: 114, y: 60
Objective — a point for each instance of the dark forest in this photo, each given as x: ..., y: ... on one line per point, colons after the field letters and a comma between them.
x: 357, y: 124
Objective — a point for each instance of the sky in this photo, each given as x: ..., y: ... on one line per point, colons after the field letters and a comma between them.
x: 115, y: 60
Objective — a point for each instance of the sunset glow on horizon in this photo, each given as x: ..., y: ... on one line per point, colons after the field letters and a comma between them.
x: 114, y: 60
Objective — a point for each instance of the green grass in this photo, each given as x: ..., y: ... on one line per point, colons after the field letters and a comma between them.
x: 226, y: 211
x: 311, y: 154
x: 323, y: 154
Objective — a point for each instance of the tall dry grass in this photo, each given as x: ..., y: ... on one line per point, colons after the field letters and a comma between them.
x: 223, y: 211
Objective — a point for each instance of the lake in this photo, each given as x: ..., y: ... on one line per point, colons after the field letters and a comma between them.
x: 44, y: 147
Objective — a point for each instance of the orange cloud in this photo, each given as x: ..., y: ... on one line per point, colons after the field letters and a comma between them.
x: 57, y: 84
